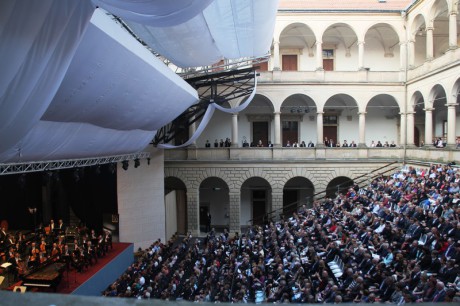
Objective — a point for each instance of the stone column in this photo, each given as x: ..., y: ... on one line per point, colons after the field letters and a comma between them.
x: 319, y: 129
x: 429, y: 43
x: 361, y: 55
x: 277, y: 204
x: 276, y: 55
x: 453, y: 30
x: 191, y: 131
x: 235, y: 130
x: 319, y: 55
x: 235, y: 208
x: 428, y: 125
x: 411, y: 53
x: 451, y: 118
x: 362, y: 130
x: 402, y: 56
x: 410, y: 128
x: 402, y: 129
x: 277, y: 120
x: 193, y: 212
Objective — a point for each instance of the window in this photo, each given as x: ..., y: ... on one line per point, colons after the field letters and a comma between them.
x: 330, y: 119
x: 328, y: 53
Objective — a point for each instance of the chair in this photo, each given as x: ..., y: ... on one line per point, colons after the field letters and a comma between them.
x: 20, y: 289
x: 423, y: 239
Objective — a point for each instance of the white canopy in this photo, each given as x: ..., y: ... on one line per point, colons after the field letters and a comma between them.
x: 229, y: 29
x: 76, y: 84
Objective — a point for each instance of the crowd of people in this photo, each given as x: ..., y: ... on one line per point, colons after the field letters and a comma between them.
x: 78, y: 247
x: 329, y: 143
x: 397, y: 241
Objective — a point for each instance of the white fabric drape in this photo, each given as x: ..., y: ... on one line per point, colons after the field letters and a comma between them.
x: 66, y: 140
x: 111, y: 87
x: 156, y: 13
x: 38, y: 40
x: 225, y: 29
x: 113, y: 98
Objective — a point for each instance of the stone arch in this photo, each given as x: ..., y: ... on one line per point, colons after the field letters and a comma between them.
x: 297, y: 110
x: 254, y: 172
x: 298, y: 35
x: 214, y: 199
x: 417, y: 34
x: 439, y: 21
x: 382, y: 40
x: 176, y: 205
x: 210, y: 172
x: 256, y: 200
x: 344, y: 109
x: 437, y: 100
x: 342, y: 39
x: 296, y: 47
x: 174, y: 172
x: 339, y: 184
x: 382, y: 118
x: 297, y: 191
x: 417, y: 105
x: 255, y: 122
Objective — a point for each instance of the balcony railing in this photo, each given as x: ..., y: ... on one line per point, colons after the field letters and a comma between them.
x: 364, y: 76
x: 429, y: 154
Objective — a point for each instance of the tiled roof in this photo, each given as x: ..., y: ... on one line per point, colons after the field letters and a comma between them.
x: 344, y: 4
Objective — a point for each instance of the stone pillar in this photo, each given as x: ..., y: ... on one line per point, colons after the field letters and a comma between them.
x: 235, y: 208
x: 453, y: 30
x: 410, y: 128
x: 276, y: 55
x: 277, y: 130
x: 429, y: 43
x: 277, y: 204
x: 361, y: 55
x: 402, y: 56
x: 193, y: 212
x: 235, y: 130
x: 362, y: 130
x: 319, y: 55
x: 191, y: 131
x: 319, y: 129
x: 402, y: 129
x: 451, y: 118
x: 410, y: 53
x: 428, y: 125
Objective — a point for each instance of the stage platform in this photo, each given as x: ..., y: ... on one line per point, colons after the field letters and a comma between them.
x: 93, y: 280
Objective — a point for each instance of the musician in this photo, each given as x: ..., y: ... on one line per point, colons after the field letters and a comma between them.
x: 17, y: 265
x: 77, y: 258
x: 55, y: 252
x: 52, y: 227
x: 61, y: 227
x: 10, y: 254
x: 33, y: 256
x: 3, y: 235
x: 42, y: 257
x: 43, y: 246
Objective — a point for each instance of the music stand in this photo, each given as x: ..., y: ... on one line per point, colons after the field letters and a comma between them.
x: 6, y: 266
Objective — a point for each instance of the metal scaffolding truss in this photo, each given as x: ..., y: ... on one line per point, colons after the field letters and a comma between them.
x: 16, y: 168
x: 220, y: 87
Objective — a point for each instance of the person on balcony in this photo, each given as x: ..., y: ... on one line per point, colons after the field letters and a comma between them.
x: 311, y: 144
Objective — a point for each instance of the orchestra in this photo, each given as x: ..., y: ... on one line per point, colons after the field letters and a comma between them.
x: 78, y: 248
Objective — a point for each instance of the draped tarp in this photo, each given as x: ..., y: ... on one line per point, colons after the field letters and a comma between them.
x: 38, y: 40
x: 155, y: 13
x: 113, y: 98
x: 229, y: 29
